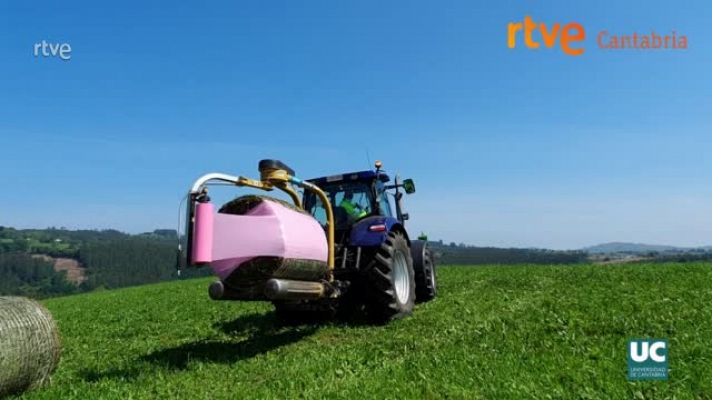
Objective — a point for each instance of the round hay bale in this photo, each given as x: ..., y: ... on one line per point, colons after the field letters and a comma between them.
x: 241, y: 205
x: 248, y: 281
x: 29, y: 345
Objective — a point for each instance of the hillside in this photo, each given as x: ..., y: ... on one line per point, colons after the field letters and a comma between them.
x: 624, y: 247
x: 74, y: 271
x: 462, y: 254
x: 495, y: 332
x: 49, y: 262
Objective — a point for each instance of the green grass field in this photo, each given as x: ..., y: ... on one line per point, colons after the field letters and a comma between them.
x: 494, y: 332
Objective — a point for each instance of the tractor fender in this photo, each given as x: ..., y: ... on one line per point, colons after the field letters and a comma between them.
x: 361, y: 235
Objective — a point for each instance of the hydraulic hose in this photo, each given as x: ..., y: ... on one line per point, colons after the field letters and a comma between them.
x: 329, y: 215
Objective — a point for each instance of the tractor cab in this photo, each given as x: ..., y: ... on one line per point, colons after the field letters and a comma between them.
x: 355, y: 197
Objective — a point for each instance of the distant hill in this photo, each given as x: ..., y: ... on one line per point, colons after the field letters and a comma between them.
x: 622, y: 247
x: 50, y: 262
x: 472, y: 255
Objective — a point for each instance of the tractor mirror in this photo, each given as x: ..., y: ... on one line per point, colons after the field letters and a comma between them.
x: 409, y: 186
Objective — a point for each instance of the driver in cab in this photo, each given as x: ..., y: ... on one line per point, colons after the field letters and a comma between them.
x: 354, y: 210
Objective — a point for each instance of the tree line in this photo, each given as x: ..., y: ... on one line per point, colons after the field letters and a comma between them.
x: 25, y: 275
x: 471, y: 255
x: 111, y: 259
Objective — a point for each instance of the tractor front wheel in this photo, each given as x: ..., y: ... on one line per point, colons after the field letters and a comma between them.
x: 424, y: 265
x: 391, y: 280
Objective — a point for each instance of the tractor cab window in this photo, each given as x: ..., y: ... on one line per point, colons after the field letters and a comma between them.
x: 350, y: 202
x: 383, y: 204
x: 318, y: 211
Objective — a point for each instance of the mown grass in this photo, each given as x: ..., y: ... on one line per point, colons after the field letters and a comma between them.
x: 495, y: 332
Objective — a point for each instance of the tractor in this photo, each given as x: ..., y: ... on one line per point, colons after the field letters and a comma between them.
x: 339, y: 248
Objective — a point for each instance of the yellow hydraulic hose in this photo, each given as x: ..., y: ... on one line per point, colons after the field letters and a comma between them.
x: 280, y: 179
x: 330, y: 217
x: 292, y: 193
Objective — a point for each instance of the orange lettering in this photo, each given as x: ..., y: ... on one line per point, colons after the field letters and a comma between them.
x: 529, y: 26
x: 512, y: 29
x: 549, y: 39
x: 567, y: 37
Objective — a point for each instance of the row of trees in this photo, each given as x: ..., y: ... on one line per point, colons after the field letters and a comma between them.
x: 131, y: 260
x: 110, y: 259
x: 469, y: 255
x: 113, y: 259
x: 26, y: 275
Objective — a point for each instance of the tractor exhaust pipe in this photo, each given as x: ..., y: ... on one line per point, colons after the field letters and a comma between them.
x: 275, y: 289
x: 285, y: 289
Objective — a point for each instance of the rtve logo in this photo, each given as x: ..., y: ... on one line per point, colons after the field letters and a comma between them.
x: 536, y: 34
x: 571, y: 32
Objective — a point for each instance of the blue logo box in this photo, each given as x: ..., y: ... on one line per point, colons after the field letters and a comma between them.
x: 647, y: 359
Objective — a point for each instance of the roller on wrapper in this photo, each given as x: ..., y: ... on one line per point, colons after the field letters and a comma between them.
x: 30, y: 345
x: 261, y: 248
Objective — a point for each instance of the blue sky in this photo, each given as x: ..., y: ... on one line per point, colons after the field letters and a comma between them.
x: 508, y: 147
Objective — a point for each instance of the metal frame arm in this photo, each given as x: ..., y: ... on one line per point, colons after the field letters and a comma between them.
x: 200, y: 183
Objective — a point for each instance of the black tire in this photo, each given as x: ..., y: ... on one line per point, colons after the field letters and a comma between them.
x: 391, y: 280
x: 425, y: 272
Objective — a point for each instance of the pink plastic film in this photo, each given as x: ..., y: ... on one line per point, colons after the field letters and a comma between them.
x: 203, y: 234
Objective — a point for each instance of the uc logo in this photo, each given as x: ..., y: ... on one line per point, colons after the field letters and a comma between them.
x: 640, y: 351
x: 648, y: 359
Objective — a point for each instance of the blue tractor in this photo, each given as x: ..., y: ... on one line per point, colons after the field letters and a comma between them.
x: 381, y: 269
x: 365, y: 263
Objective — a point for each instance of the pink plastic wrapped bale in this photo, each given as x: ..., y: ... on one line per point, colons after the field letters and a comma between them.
x: 254, y: 238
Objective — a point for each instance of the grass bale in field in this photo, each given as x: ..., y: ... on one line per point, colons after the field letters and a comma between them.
x: 29, y: 345
x: 248, y: 281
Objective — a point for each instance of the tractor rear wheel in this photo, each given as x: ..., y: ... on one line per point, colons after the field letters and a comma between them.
x: 391, y: 280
